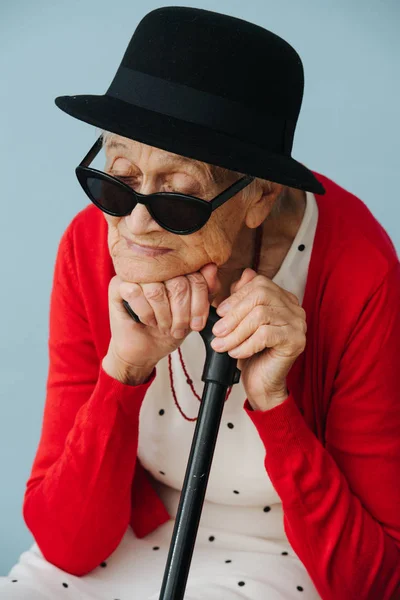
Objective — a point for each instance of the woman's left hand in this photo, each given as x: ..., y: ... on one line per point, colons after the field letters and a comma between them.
x: 266, y: 331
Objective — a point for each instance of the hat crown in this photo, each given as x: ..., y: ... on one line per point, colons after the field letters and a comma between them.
x: 208, y: 86
x: 219, y: 54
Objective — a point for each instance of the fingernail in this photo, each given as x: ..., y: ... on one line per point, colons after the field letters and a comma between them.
x: 217, y: 344
x: 178, y: 333
x: 219, y: 327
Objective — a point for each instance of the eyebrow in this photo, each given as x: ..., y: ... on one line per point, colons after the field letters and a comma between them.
x: 167, y: 160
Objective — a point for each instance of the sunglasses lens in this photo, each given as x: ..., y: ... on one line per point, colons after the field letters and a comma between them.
x: 110, y: 197
x: 172, y: 212
x: 179, y: 214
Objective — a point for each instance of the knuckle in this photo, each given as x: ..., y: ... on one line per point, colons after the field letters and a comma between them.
x: 179, y: 325
x: 154, y: 292
x: 129, y: 290
x: 196, y: 278
x: 259, y: 279
x: 260, y: 286
x: 302, y: 312
x: 264, y: 334
x: 180, y: 320
x: 197, y: 282
x: 295, y: 342
x: 301, y: 325
x: 301, y: 343
x: 259, y: 312
x: 114, y: 284
x: 178, y: 287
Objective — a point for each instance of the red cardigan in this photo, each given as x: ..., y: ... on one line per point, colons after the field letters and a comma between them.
x: 333, y: 445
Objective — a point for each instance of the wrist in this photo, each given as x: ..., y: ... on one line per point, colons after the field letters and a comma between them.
x: 125, y: 373
x: 268, y: 402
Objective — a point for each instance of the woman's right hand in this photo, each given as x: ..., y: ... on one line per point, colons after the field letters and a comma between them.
x: 163, y: 308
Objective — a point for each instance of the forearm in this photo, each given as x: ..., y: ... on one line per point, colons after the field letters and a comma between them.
x: 345, y: 550
x: 80, y: 509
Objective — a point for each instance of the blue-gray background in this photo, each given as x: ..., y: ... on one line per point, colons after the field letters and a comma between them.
x: 348, y: 130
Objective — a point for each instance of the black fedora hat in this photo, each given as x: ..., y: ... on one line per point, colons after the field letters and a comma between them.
x: 207, y: 86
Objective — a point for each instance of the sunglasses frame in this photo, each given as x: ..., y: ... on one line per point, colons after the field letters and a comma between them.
x: 83, y: 171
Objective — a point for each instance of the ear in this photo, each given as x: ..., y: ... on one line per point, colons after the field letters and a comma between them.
x: 261, y: 205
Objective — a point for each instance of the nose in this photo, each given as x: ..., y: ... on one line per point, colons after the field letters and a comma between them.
x: 140, y: 221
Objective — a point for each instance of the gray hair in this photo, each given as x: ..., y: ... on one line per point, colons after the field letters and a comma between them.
x: 220, y: 174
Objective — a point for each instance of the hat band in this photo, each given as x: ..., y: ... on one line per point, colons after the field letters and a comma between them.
x: 188, y: 104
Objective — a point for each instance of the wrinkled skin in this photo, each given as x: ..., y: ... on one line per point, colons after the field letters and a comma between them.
x: 228, y: 237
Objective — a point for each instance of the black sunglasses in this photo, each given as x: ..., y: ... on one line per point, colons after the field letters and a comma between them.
x: 177, y: 213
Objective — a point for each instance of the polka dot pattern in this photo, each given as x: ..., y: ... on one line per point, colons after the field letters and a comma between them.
x: 211, y: 538
x: 240, y: 583
x: 237, y: 476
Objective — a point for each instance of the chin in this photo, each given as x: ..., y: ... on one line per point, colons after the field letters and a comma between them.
x: 147, y: 270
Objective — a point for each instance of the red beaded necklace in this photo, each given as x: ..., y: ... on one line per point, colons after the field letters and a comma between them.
x: 255, y: 263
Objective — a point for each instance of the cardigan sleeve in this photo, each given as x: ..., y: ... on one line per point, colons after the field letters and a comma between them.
x: 341, y: 502
x: 77, y: 502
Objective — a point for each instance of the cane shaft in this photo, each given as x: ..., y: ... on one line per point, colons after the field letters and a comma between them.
x: 193, y: 492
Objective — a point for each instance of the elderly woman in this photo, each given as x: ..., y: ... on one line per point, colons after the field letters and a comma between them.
x: 202, y: 204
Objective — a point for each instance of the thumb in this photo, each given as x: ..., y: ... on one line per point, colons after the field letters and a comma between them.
x: 246, y: 276
x: 210, y: 274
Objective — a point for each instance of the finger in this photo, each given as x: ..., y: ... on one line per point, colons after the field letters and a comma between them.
x: 280, y: 340
x: 247, y: 276
x: 157, y: 297
x: 178, y: 291
x: 261, y: 290
x: 256, y: 291
x: 210, y: 274
x: 133, y: 294
x: 200, y: 304
x: 260, y: 316
x: 241, y: 289
x: 114, y: 296
x: 266, y: 336
x: 293, y: 298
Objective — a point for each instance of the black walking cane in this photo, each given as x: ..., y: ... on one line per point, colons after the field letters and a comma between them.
x: 219, y: 373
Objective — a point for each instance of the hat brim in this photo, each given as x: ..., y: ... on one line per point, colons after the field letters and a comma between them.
x: 188, y: 139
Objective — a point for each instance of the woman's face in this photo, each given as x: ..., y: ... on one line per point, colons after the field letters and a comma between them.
x: 150, y: 170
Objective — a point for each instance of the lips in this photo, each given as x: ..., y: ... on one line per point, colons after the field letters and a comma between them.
x: 150, y: 247
x: 154, y: 248
x: 146, y: 250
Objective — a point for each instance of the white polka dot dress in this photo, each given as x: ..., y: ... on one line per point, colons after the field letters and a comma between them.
x: 241, y: 551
